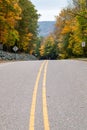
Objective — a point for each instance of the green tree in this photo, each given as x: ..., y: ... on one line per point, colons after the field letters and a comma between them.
x: 27, y: 26
x: 37, y: 47
x: 49, y: 48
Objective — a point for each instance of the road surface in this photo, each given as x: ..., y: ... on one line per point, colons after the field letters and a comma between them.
x: 43, y: 95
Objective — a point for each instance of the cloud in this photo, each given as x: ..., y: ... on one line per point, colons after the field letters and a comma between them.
x: 49, y: 4
x: 49, y: 8
x: 48, y: 15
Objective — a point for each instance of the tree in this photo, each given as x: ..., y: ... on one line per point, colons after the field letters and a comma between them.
x: 71, y: 30
x: 27, y: 26
x: 37, y: 47
x: 18, y: 24
x: 49, y: 48
x: 9, y: 15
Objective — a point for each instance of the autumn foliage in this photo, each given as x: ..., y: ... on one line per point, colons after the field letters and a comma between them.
x: 17, y: 18
x: 19, y: 26
x: 71, y: 30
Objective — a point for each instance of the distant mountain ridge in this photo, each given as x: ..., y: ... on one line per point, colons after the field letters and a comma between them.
x: 46, y: 27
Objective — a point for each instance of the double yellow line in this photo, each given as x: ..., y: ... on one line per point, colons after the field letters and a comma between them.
x: 33, y: 105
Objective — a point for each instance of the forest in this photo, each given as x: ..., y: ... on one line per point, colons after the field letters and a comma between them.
x: 19, y: 26
x: 69, y: 35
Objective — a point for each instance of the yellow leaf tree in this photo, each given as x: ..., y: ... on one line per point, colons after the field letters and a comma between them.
x: 9, y: 15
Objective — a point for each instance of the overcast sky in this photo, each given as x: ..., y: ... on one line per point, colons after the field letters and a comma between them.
x: 49, y: 8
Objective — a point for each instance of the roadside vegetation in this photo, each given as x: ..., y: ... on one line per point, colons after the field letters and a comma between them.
x: 19, y: 26
x: 69, y: 34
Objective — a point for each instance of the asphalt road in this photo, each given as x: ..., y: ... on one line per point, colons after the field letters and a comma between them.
x: 43, y: 95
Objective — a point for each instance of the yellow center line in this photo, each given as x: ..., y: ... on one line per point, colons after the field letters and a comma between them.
x: 45, y: 112
x: 32, y: 112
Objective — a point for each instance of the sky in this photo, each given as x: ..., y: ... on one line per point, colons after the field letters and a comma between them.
x: 49, y: 8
